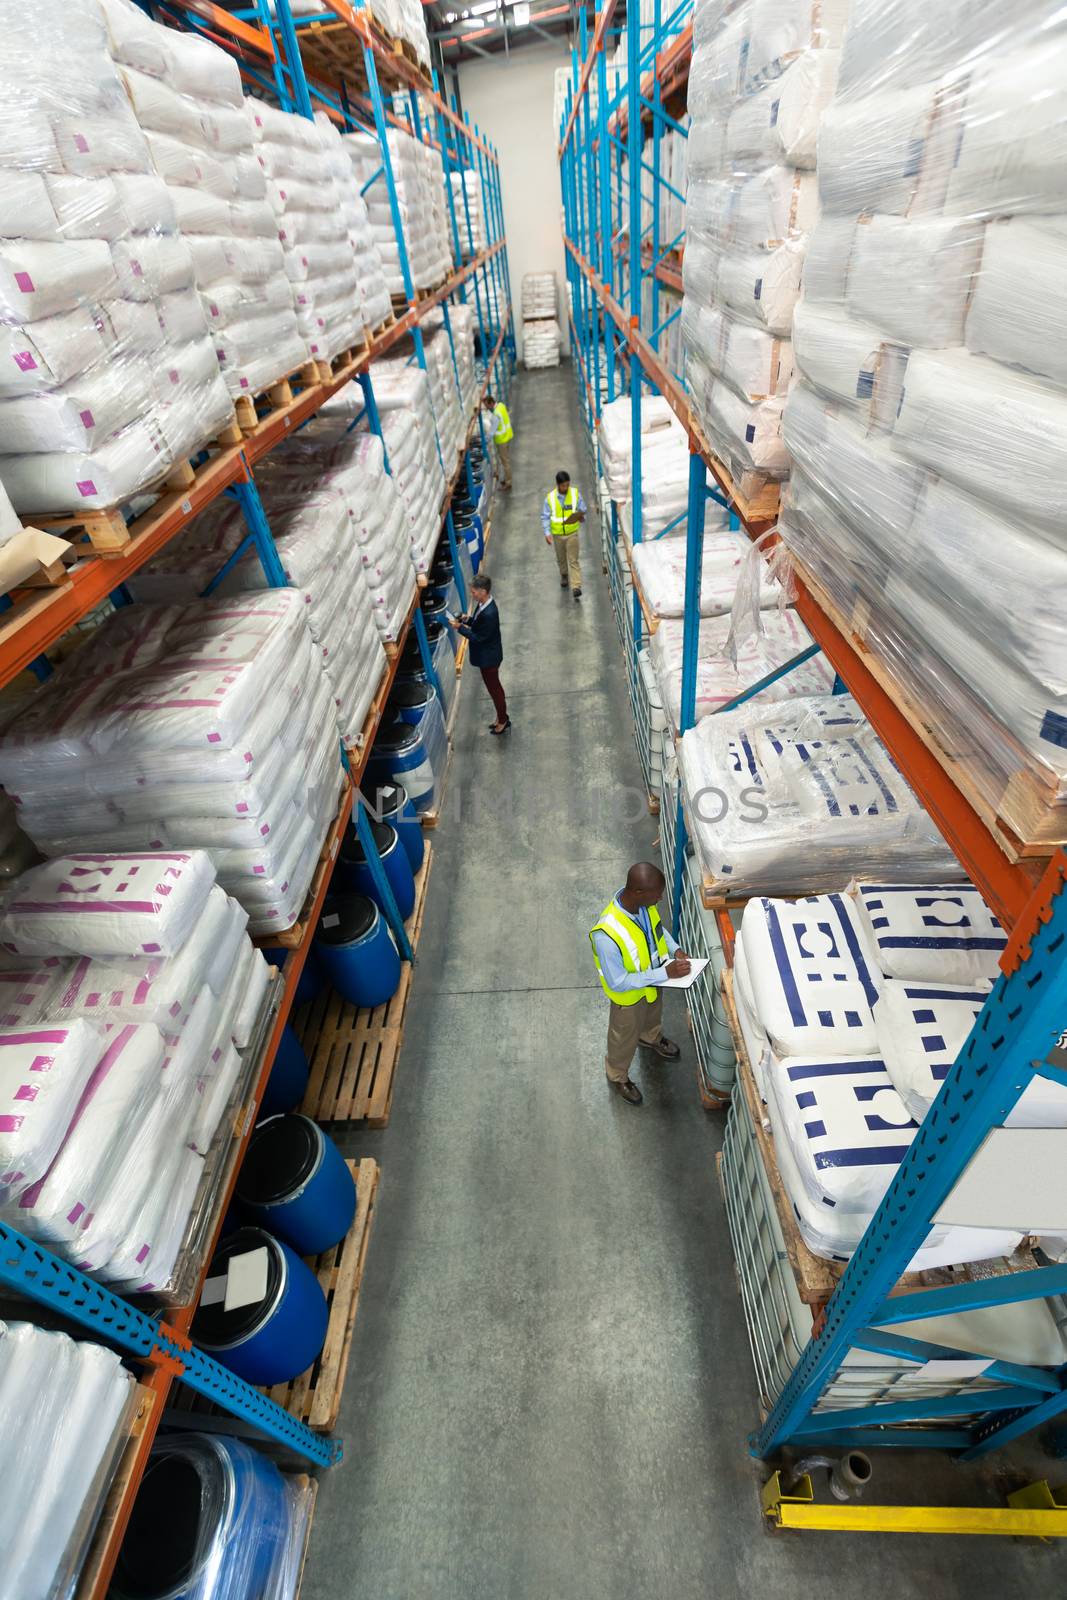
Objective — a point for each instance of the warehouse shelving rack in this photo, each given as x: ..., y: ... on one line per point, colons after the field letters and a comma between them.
x: 1024, y: 882
x: 272, y: 63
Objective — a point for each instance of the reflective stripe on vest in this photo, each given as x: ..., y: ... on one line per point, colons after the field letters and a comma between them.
x: 632, y: 944
x: 559, y: 511
x: 507, y: 432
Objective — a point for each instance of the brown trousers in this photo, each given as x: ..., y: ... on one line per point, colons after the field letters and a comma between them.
x: 503, y: 455
x: 628, y: 1027
x: 566, y: 548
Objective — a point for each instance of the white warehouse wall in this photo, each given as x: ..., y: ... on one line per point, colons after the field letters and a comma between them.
x: 511, y: 100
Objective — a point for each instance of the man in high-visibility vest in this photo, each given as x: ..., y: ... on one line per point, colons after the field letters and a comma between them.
x: 502, y: 435
x: 634, y: 956
x: 561, y: 516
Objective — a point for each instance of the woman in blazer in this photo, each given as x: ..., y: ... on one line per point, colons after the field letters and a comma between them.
x: 482, y: 628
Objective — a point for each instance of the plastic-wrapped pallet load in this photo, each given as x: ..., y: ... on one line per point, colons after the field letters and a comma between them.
x: 927, y: 429
x: 140, y: 990
x: 410, y: 434
x: 108, y: 377
x: 664, y: 462
x: 720, y: 678
x: 811, y: 988
x: 207, y: 726
x: 801, y: 794
x: 660, y: 565
x: 539, y: 300
x: 418, y: 178
x: 373, y: 289
x: 64, y: 1406
x: 468, y: 211
x: 540, y: 344
x: 186, y: 96
x: 461, y: 319
x: 762, y: 74
x: 348, y: 606
x: 311, y: 226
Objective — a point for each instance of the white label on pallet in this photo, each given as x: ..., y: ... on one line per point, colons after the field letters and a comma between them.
x: 246, y: 1279
x: 187, y: 508
x: 214, y: 1291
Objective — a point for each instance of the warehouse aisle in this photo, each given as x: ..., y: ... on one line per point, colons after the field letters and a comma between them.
x: 550, y: 1384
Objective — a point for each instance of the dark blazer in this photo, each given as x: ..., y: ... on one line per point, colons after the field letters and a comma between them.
x: 484, y: 634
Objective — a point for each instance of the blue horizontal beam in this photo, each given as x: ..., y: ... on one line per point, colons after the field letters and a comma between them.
x: 1003, y: 1291
x: 888, y: 1439
x: 944, y: 1405
x: 901, y: 1347
x: 767, y: 679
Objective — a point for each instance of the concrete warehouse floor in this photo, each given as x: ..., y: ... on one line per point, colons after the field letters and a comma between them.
x: 550, y: 1385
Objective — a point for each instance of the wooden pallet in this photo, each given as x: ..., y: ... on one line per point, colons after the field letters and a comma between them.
x: 353, y: 1053
x: 382, y: 328
x: 315, y: 1396
x: 119, y: 1496
x: 1026, y: 819
x: 253, y: 409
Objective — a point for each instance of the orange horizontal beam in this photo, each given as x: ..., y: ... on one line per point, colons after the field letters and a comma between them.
x: 597, y: 43
x: 671, y: 68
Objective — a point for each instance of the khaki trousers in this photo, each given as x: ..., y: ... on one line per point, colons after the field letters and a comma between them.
x: 503, y: 455
x: 566, y: 547
x: 628, y: 1027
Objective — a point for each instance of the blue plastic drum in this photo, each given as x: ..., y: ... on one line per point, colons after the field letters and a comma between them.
x: 288, y: 1079
x: 399, y: 756
x: 355, y: 874
x: 410, y: 699
x: 310, y: 981
x: 391, y: 804
x: 357, y: 950
x: 294, y: 1182
x: 276, y: 1334
x: 211, y: 1519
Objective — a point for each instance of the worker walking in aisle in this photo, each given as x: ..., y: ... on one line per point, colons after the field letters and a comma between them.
x: 635, y: 956
x: 482, y: 628
x: 561, y: 516
x: 502, y: 435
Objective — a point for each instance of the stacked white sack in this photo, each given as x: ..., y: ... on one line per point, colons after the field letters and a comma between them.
x: 461, y: 319
x: 107, y: 374
x: 140, y: 990
x: 720, y: 678
x: 664, y: 469
x: 930, y: 346
x: 417, y: 177
x: 373, y: 289
x: 186, y: 96
x: 205, y: 726
x: 539, y: 296
x: 761, y: 76
x: 312, y: 526
x: 311, y: 226
x: 469, y: 213
x: 449, y: 419
x: 801, y: 794
x: 403, y: 397
x: 540, y: 344
x: 64, y: 1410
x: 809, y: 984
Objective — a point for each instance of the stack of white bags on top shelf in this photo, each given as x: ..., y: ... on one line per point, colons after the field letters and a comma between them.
x: 405, y: 19
x: 468, y: 212
x: 854, y: 1007
x: 107, y: 373
x: 720, y: 678
x: 419, y: 180
x: 539, y: 296
x: 441, y: 375
x: 761, y: 77
x: 540, y: 344
x: 373, y: 289
x: 408, y: 428
x: 929, y: 429
x: 63, y: 1406
x: 799, y: 794
x: 461, y: 318
x: 130, y: 987
x: 312, y: 228
x: 186, y: 96
x: 209, y: 725
x: 664, y: 468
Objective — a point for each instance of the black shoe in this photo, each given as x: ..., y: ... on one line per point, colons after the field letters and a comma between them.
x: 577, y: 594
x: 496, y: 732
x: 665, y: 1048
x: 564, y: 584
x: 628, y: 1090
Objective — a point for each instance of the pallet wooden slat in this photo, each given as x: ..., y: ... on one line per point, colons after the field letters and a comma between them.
x: 354, y: 1052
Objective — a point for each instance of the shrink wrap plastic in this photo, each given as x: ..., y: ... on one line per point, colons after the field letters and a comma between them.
x: 929, y: 424
x: 470, y: 215
x: 373, y: 289
x: 110, y: 1100
x: 539, y: 297
x: 721, y: 679
x: 64, y: 1411
x: 540, y: 343
x: 418, y: 176
x: 108, y: 377
x: 660, y: 566
x: 762, y: 76
x: 207, y: 726
x: 800, y: 794
x: 186, y: 96
x: 409, y: 429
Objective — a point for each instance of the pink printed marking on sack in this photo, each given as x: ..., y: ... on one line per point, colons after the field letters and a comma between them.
x: 142, y: 1254
x: 24, y: 361
x: 11, y: 1124
x: 241, y: 808
x: 136, y: 268
x: 265, y: 829
x: 72, y: 1216
x: 85, y: 486
x: 88, y: 420
x: 81, y: 143
x: 24, y: 282
x: 25, y: 1091
x: 244, y: 383
x: 214, y: 738
x: 150, y: 949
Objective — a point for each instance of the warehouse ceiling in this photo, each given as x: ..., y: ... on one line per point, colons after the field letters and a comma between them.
x: 489, y: 28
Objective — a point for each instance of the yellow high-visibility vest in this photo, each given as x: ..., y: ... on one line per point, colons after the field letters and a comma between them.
x: 507, y: 432
x: 630, y: 937
x: 561, y: 513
